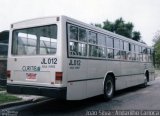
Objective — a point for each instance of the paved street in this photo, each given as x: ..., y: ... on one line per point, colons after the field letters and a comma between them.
x: 135, y: 98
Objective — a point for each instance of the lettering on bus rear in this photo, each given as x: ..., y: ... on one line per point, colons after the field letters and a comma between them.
x: 30, y: 68
x: 49, y: 62
x: 74, y: 64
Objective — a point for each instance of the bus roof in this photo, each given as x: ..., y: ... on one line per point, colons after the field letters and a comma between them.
x: 80, y: 23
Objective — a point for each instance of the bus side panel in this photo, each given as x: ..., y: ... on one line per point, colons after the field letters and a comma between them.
x: 150, y: 68
x: 76, y: 76
x: 96, y: 73
x: 76, y: 90
x: 94, y: 87
x: 115, y: 68
x: 132, y: 73
x: 121, y: 83
x: 87, y: 81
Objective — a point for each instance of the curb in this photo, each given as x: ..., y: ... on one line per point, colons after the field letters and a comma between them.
x: 11, y: 104
x: 17, y: 103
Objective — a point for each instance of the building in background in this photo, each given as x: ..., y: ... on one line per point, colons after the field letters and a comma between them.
x: 4, y: 37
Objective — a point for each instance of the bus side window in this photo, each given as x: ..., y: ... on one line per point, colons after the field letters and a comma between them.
x: 73, y: 48
x: 101, y: 40
x: 82, y: 35
x: 93, y: 50
x: 117, y: 54
x: 92, y: 37
x: 109, y: 42
x: 137, y: 52
x: 149, y: 55
x: 144, y: 54
x: 126, y: 50
x: 101, y: 45
x: 130, y: 52
x: 122, y: 53
x: 102, y: 52
x: 73, y: 32
x: 110, y: 53
x: 82, y: 49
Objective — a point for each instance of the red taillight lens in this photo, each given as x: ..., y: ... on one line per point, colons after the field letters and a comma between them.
x: 8, y: 73
x: 58, y: 79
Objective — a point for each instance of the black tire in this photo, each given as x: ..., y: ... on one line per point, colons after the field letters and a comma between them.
x: 109, y: 88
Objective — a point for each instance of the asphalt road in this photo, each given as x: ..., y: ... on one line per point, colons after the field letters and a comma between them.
x: 135, y: 98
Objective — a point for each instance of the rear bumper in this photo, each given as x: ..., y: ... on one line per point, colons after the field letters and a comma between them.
x: 54, y: 92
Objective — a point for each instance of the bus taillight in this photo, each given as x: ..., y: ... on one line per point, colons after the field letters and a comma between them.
x: 8, y: 73
x: 58, y: 79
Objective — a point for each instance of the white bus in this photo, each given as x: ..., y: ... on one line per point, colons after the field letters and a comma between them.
x: 67, y: 59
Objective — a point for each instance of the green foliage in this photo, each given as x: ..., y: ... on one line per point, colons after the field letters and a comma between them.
x: 98, y: 25
x: 121, y: 28
x: 2, y: 89
x: 136, y: 35
x: 107, y: 25
x: 156, y: 41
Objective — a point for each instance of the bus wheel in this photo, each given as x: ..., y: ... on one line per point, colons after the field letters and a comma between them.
x: 108, y: 88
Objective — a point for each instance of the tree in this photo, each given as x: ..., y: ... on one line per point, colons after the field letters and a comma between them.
x: 121, y: 28
x: 156, y: 41
x: 136, y: 35
x: 98, y: 25
x: 107, y: 25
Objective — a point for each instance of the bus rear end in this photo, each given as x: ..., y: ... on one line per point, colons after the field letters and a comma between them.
x: 35, y: 58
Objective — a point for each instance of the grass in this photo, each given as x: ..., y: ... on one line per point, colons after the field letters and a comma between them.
x: 5, y: 98
x: 2, y: 89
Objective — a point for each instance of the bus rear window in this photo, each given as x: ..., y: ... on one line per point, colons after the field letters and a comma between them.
x: 34, y: 41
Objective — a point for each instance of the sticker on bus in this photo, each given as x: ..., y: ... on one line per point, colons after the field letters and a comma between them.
x: 31, y: 76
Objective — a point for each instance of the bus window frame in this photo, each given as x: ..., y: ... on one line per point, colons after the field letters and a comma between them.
x: 38, y: 40
x: 100, y: 58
